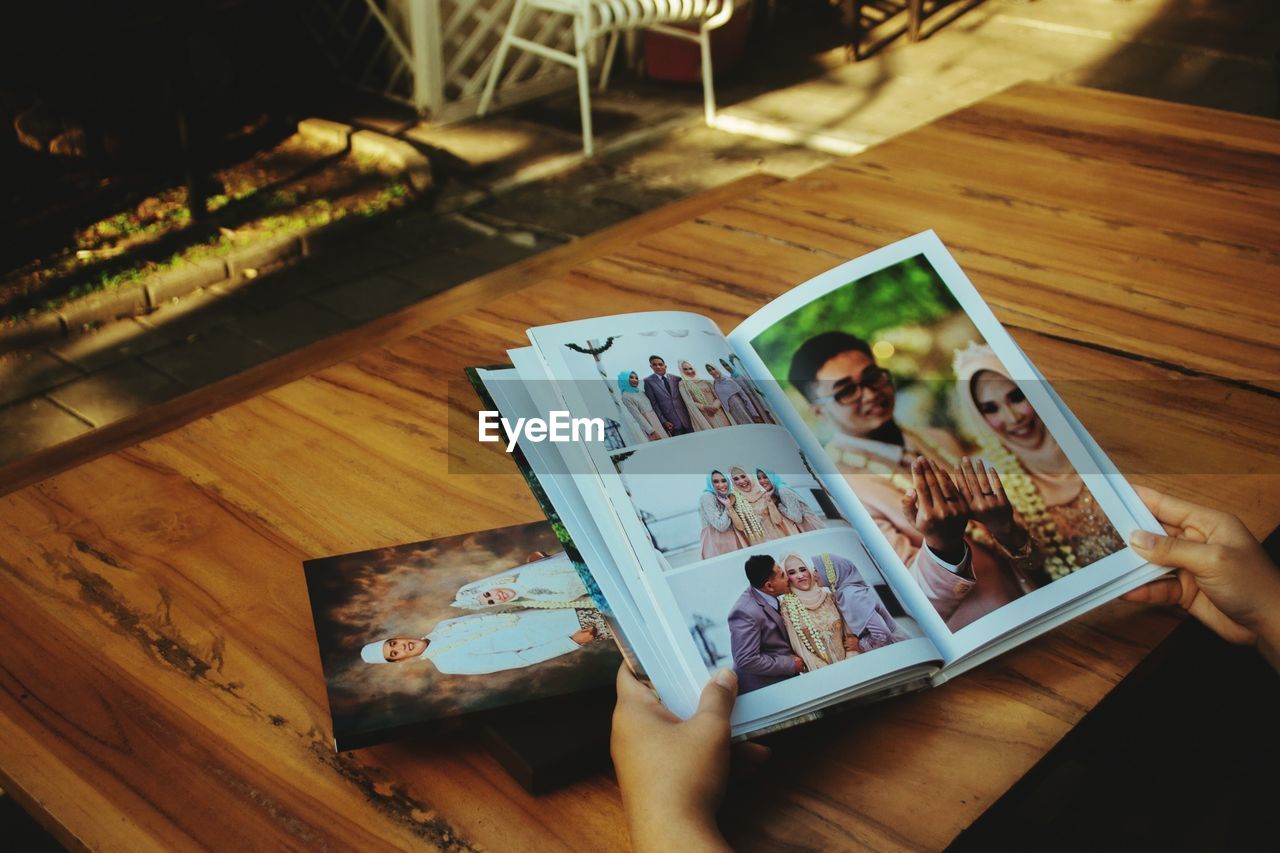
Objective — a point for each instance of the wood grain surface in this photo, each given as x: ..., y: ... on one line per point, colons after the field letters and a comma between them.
x: 160, y: 685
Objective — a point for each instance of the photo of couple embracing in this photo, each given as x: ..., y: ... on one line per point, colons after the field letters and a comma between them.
x: 799, y: 614
x: 452, y: 626
x: 520, y: 617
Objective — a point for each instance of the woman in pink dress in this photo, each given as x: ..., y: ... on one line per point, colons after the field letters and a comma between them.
x: 757, y: 514
x: 790, y: 504
x: 720, y: 534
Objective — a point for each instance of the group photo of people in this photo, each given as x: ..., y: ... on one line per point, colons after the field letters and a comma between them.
x: 775, y: 613
x: 939, y: 443
x: 665, y: 383
x: 442, y: 628
x: 715, y: 494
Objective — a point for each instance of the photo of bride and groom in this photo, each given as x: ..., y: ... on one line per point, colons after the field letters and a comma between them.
x: 456, y: 625
x: 782, y: 609
x: 512, y: 620
x: 937, y: 441
x: 799, y: 614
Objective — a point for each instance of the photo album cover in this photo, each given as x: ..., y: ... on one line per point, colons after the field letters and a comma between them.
x: 866, y: 487
x: 454, y: 626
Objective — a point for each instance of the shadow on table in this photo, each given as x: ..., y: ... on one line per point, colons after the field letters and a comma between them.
x: 1182, y: 755
x: 21, y: 832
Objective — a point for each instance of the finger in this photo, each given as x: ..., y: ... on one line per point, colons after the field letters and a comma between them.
x: 631, y: 691
x: 983, y: 476
x: 977, y: 484
x: 945, y: 483
x: 718, y: 696
x: 965, y: 481
x: 946, y: 487
x: 909, y: 503
x: 997, y: 486
x: 1198, y: 558
x: 921, y: 484
x: 964, y: 484
x: 936, y: 496
x: 1180, y: 513
x: 1162, y: 591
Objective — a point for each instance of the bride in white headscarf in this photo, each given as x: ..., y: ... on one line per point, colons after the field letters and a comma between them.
x: 1066, y: 527
x: 531, y: 613
x: 483, y: 643
x: 815, y: 628
x: 545, y: 584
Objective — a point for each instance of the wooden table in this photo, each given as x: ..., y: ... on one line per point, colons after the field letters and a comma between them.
x: 159, y: 679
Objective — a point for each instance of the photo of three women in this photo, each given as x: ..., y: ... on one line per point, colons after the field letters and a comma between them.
x: 798, y: 615
x: 975, y: 533
x: 665, y: 405
x: 748, y: 507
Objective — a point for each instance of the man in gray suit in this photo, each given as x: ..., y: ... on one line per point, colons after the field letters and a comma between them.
x: 757, y: 637
x: 663, y: 392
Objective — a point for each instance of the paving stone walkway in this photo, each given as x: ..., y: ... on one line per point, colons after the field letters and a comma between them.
x: 516, y: 184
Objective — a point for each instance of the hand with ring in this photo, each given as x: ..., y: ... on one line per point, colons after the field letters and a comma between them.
x: 937, y: 509
x: 980, y: 484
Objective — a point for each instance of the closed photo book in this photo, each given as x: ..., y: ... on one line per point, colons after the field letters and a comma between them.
x: 461, y: 626
x: 864, y: 488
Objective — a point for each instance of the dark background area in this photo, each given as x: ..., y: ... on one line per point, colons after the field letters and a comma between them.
x: 141, y: 95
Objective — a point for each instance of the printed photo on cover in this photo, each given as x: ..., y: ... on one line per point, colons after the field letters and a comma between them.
x: 441, y: 628
x: 922, y: 419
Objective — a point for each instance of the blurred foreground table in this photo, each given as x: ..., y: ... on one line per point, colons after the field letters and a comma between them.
x: 159, y: 680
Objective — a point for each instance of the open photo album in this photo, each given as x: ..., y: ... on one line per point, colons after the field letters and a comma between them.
x: 864, y: 488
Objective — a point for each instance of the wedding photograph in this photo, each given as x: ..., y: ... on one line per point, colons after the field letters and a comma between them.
x: 717, y: 493
x: 906, y: 395
x: 664, y: 383
x: 775, y: 611
x: 453, y: 626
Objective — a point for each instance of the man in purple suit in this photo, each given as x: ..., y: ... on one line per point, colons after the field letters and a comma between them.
x: 757, y: 637
x: 663, y: 392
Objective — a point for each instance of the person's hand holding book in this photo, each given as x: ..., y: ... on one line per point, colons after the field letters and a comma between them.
x: 1223, y: 576
x: 672, y: 773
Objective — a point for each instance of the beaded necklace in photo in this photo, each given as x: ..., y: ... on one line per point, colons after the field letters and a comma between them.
x: 1028, y: 503
x: 799, y: 616
x: 750, y: 521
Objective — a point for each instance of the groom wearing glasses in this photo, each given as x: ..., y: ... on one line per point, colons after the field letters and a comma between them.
x: 900, y: 475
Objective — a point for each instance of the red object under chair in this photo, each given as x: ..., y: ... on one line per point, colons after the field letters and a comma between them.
x: 677, y: 61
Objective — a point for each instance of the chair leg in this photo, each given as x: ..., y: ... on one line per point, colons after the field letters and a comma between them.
x: 504, y: 47
x: 708, y: 89
x: 855, y: 37
x: 913, y: 21
x: 584, y: 84
x: 608, y: 59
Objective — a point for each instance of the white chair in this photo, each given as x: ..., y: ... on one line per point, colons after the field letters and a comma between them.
x: 595, y: 18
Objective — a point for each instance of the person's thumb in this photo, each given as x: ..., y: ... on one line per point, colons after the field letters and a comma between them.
x: 909, y: 503
x: 719, y: 695
x: 1173, y: 551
